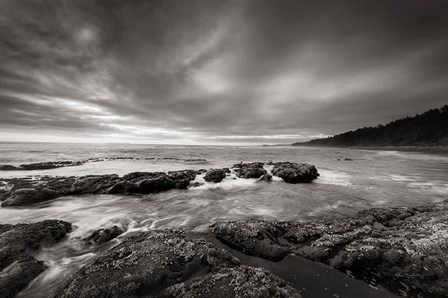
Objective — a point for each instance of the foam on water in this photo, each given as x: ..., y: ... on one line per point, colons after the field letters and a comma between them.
x: 343, y: 188
x: 231, y: 181
x: 412, y: 155
x: 334, y: 178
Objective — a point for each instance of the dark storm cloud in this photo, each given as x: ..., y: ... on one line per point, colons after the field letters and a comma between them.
x: 218, y: 71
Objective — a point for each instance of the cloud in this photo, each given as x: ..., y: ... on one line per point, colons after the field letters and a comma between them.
x: 216, y: 71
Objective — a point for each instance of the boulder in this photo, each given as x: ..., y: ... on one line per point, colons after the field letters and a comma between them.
x: 26, y: 196
x: 17, y: 267
x: 25, y: 192
x: 101, y: 236
x: 41, y: 165
x: 295, y: 172
x: 241, y: 281
x: 266, y: 177
x: 144, y: 264
x: 249, y: 170
x: 168, y: 263
x: 216, y: 175
x: 403, y: 249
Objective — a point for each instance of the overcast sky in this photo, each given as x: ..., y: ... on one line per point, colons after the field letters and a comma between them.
x: 192, y: 72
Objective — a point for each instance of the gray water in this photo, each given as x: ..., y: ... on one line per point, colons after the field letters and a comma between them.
x: 373, y: 178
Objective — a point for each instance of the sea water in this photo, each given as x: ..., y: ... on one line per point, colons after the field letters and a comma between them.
x: 350, y: 180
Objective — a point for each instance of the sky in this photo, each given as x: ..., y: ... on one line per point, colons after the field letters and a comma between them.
x: 216, y: 72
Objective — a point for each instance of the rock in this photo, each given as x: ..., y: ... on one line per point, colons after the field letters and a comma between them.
x: 168, y: 263
x: 25, y: 192
x: 26, y: 196
x: 17, y: 268
x: 255, y: 238
x: 8, y: 168
x: 241, y: 281
x: 41, y: 165
x: 93, y: 184
x: 266, y: 177
x: 404, y: 249
x: 145, y: 264
x: 215, y: 175
x: 294, y: 172
x: 348, y: 159
x: 104, y: 235
x: 15, y: 277
x: 249, y: 170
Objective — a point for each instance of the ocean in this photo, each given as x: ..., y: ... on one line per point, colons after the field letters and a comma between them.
x: 350, y: 180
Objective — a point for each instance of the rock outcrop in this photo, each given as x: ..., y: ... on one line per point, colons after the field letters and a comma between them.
x: 167, y: 263
x: 404, y: 249
x: 41, y: 165
x: 26, y: 192
x: 17, y: 267
x: 216, y: 175
x: 101, y: 236
x: 249, y: 170
x: 295, y: 172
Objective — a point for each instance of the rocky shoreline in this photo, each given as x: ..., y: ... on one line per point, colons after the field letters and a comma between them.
x: 403, y: 249
x: 48, y: 165
x: 23, y: 191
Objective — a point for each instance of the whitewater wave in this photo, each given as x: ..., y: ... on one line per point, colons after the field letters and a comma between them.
x: 334, y: 178
x: 231, y: 181
x: 412, y: 155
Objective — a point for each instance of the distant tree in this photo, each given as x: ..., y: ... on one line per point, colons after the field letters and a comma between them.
x: 428, y: 128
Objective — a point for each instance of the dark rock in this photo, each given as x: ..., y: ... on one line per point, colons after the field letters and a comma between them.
x: 26, y: 196
x: 249, y: 170
x: 94, y: 184
x: 253, y: 238
x: 348, y: 159
x: 167, y: 263
x: 266, y: 177
x: 104, y: 235
x: 401, y: 248
x: 144, y: 264
x: 202, y: 171
x: 241, y: 281
x: 15, y: 277
x: 26, y: 192
x: 216, y: 175
x: 8, y: 168
x: 41, y: 165
x: 17, y: 268
x: 294, y: 172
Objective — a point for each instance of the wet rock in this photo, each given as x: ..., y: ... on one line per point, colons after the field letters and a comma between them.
x: 168, y: 263
x: 145, y: 264
x: 26, y: 192
x: 41, y: 165
x: 348, y: 159
x: 255, y: 238
x: 15, y: 277
x: 94, y: 184
x: 8, y: 168
x: 101, y: 236
x: 216, y: 175
x: 26, y: 196
x: 294, y: 172
x: 201, y: 171
x: 241, y: 281
x: 266, y: 177
x: 17, y: 267
x: 249, y: 170
x: 404, y: 249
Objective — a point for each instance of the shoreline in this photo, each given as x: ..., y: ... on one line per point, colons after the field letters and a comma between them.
x: 380, y: 252
x: 379, y: 148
